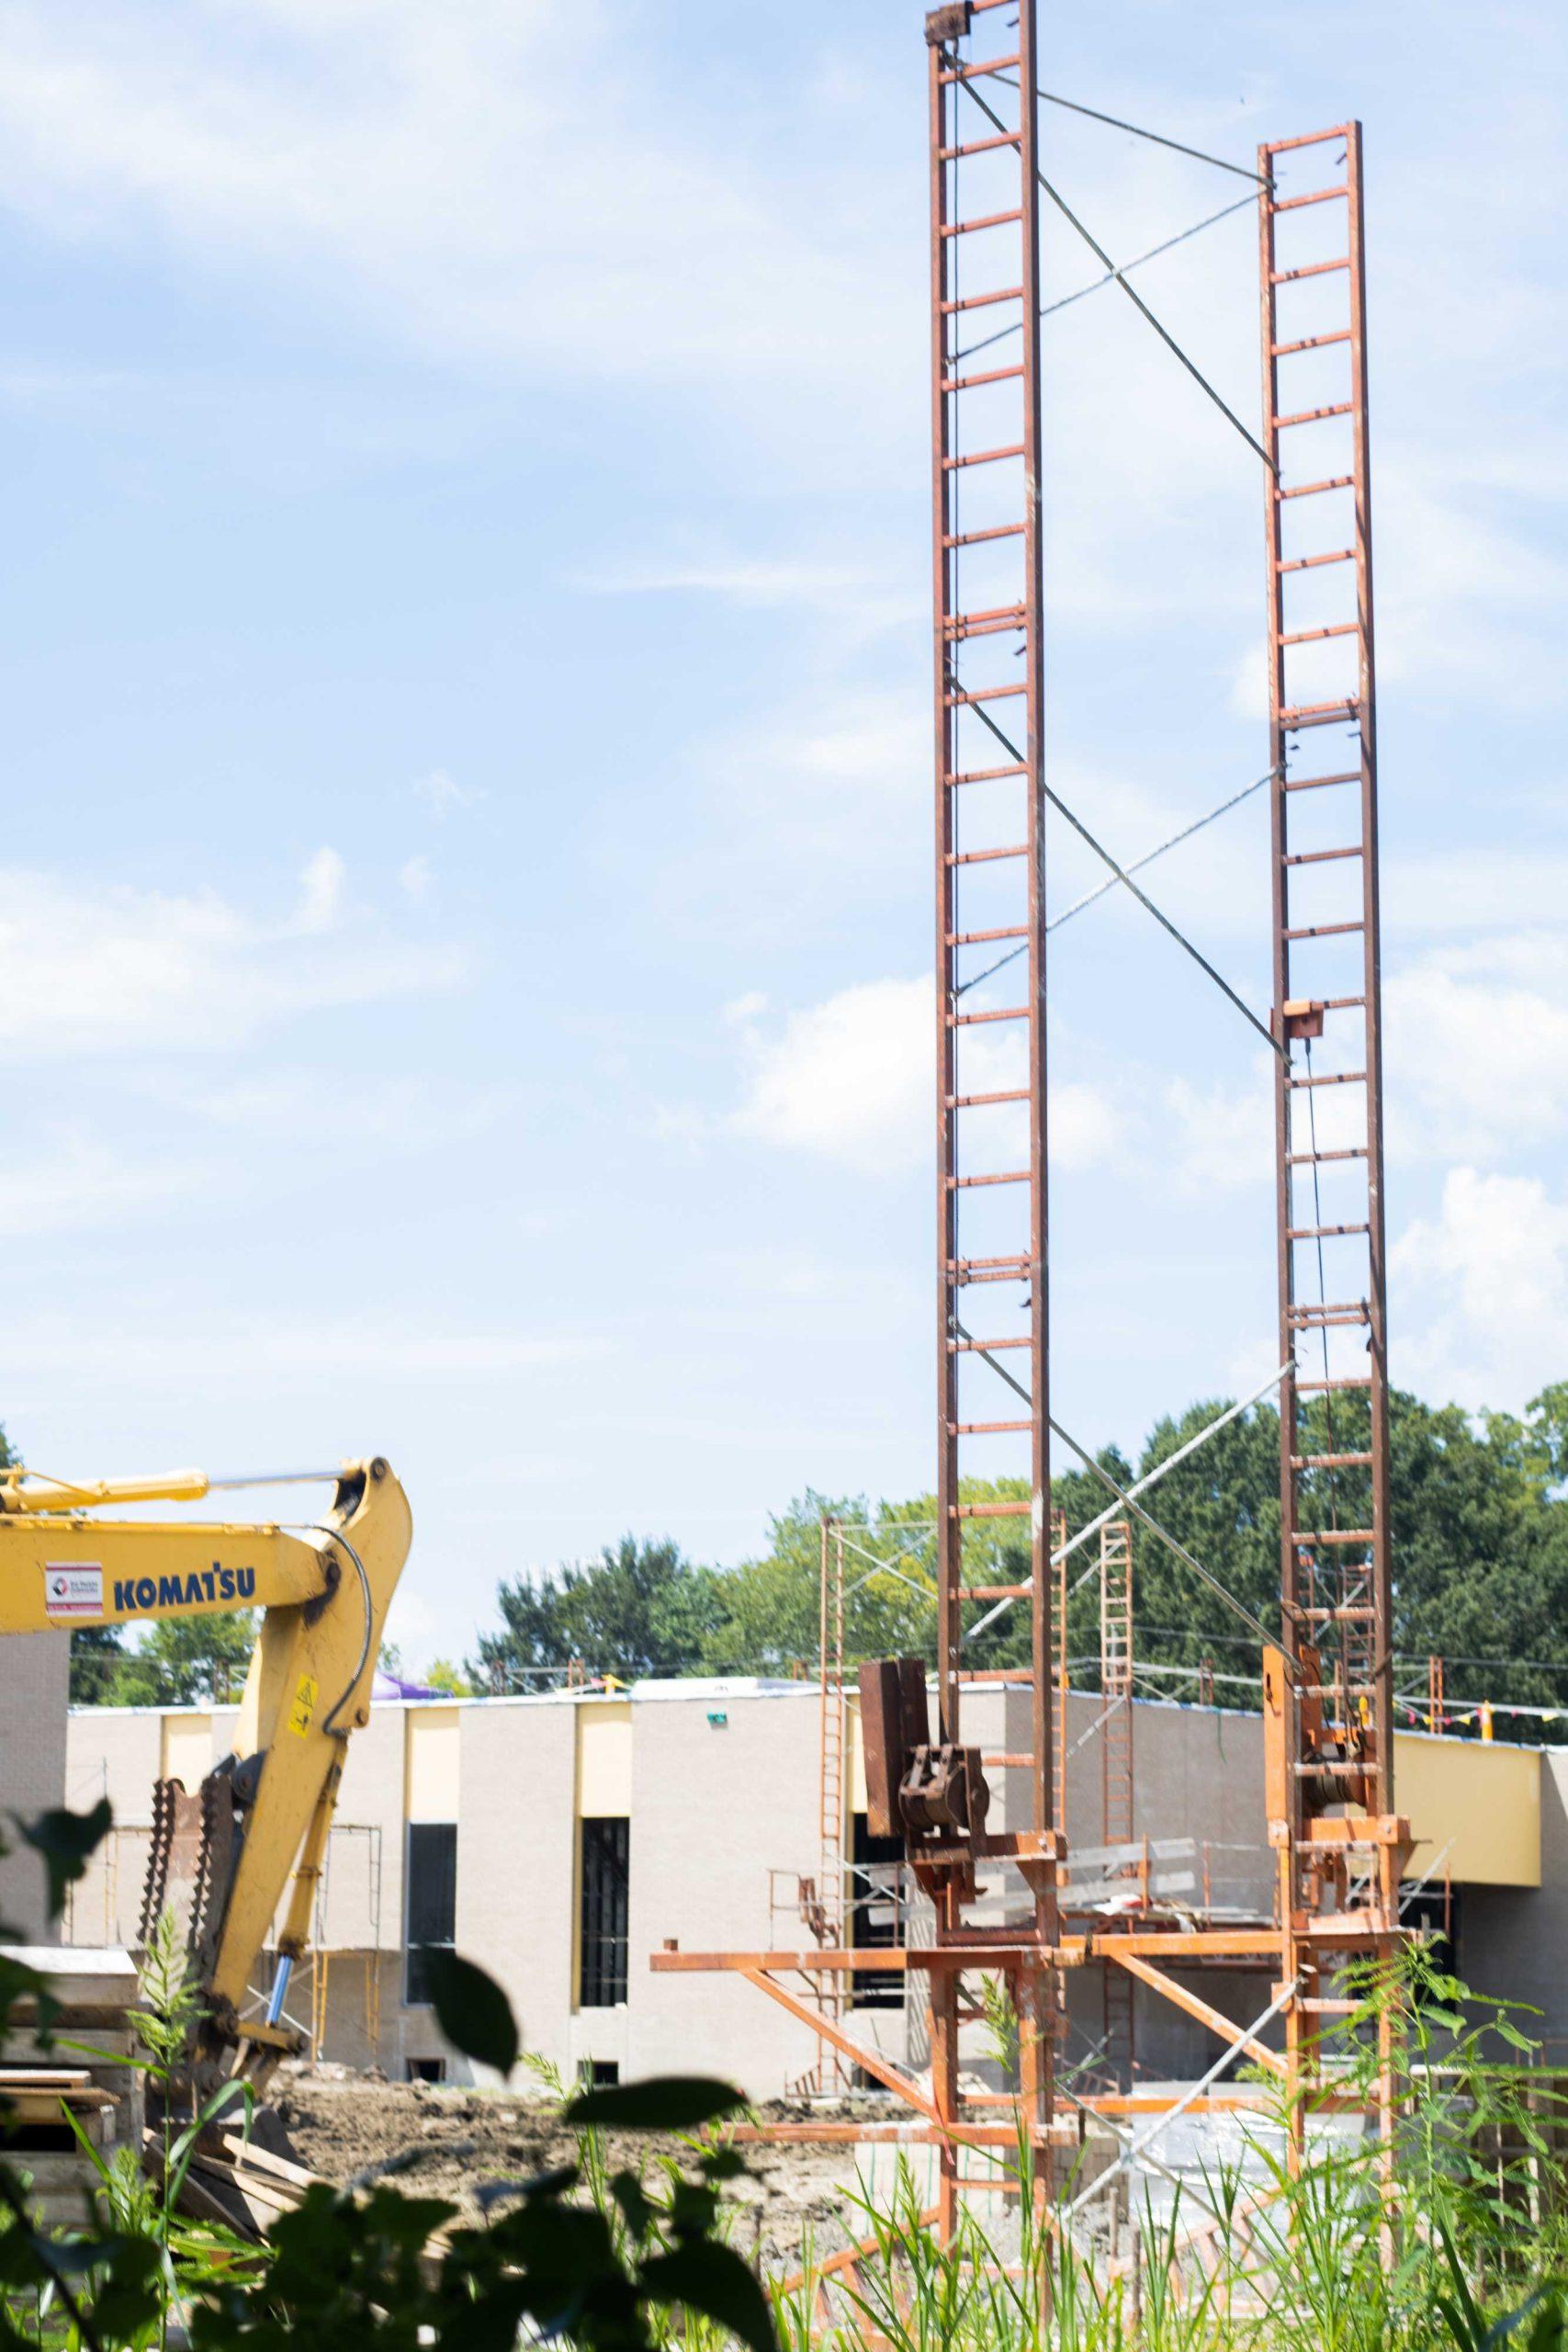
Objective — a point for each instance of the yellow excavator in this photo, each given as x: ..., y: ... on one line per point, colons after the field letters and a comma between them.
x: 249, y: 1843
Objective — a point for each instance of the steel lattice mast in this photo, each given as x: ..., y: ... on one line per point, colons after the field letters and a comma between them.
x: 1335, y: 1702
x: 993, y: 1360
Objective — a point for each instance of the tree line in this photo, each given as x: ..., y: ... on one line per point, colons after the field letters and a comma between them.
x: 1479, y: 1525
x: 1479, y: 1547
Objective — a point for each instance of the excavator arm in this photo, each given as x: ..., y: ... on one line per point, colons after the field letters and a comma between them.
x: 253, y: 1837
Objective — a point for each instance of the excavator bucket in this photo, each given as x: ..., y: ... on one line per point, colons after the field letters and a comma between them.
x: 190, y: 1868
x: 243, y: 2178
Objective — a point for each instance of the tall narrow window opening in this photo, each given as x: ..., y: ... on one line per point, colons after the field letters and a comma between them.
x: 430, y: 1901
x: 601, y: 1971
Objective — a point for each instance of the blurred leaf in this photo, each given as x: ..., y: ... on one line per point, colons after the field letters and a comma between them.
x: 471, y: 2009
x: 67, y: 1841
x: 629, y: 2195
x: 1550, y: 2333
x: 713, y: 2279
x: 663, y: 2103
x: 536, y: 2187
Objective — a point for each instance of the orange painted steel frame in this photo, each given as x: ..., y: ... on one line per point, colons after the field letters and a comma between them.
x: 1328, y: 1728
x: 967, y: 1118
x: 1330, y: 1719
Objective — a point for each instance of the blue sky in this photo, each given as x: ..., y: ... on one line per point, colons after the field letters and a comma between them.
x: 464, y: 961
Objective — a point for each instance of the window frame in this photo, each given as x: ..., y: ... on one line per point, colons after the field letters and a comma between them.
x: 416, y: 1994
x: 604, y: 1910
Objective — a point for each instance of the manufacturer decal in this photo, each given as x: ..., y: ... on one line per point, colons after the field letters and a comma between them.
x: 72, y: 1592
x: 304, y: 1706
x: 136, y: 1595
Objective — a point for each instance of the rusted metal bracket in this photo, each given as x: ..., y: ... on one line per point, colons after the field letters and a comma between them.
x: 945, y: 24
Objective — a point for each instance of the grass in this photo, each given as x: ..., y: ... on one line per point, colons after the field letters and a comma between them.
x: 1463, y: 2247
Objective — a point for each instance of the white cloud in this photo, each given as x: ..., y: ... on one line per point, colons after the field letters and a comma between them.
x: 321, y: 891
x: 830, y: 770
x: 849, y: 1078
x: 842, y: 783
x: 1471, y: 606
x: 1249, y: 685
x: 1477, y: 1055
x: 1482, y: 1289
x: 440, y: 792
x: 1225, y: 1135
x: 414, y: 879
x: 852, y: 598
x: 237, y: 1352
x: 1473, y: 1054
x: 94, y: 968
x: 853, y: 1078
x: 81, y: 1184
x: 497, y: 182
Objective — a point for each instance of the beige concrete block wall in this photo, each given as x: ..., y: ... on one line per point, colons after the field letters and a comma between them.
x: 34, y: 1674
x: 1197, y: 1775
x: 714, y: 1808
x: 371, y: 1798
x: 516, y: 1862
x: 351, y: 2013
x: 115, y: 1752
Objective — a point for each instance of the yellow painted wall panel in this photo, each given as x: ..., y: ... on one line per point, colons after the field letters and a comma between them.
x: 603, y: 1758
x: 187, y: 1750
x: 857, y: 1759
x: 429, y: 1763
x: 1474, y: 1808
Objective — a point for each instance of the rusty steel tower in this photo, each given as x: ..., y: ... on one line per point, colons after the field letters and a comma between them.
x: 1339, y: 1846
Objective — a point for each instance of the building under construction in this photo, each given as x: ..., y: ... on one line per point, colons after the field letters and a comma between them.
x: 825, y: 1882
x: 982, y: 1824
x: 693, y: 1806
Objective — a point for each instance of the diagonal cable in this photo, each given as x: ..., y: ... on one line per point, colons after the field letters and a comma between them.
x: 1129, y: 1502
x: 1122, y: 875
x: 1137, y: 868
x: 1065, y: 302
x: 1065, y: 208
x: 1154, y: 137
x: 965, y: 83
x: 1140, y: 1486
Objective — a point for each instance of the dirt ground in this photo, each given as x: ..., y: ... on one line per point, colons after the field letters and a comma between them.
x: 341, y: 2126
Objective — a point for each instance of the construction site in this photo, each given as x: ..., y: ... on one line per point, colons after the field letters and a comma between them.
x: 1058, y: 1937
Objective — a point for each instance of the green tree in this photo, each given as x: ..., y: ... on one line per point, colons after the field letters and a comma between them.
x: 187, y: 1661
x: 1479, y: 1539
x: 771, y: 1605
x: 442, y: 1675
x: 641, y: 1609
x: 98, y: 1653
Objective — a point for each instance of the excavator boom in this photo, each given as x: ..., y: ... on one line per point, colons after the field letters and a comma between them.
x: 252, y: 1840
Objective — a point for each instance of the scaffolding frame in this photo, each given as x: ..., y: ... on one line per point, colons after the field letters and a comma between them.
x: 310, y: 1985
x: 1328, y: 1679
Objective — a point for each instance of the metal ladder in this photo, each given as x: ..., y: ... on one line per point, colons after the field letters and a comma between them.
x: 830, y: 1991
x: 1059, y: 1597
x: 990, y: 974
x: 1331, y: 1288
x: 1116, y: 1764
x: 1116, y: 1679
x: 990, y: 831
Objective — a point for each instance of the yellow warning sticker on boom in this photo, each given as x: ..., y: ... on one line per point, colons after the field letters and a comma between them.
x: 304, y: 1706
